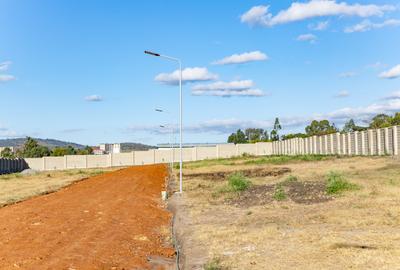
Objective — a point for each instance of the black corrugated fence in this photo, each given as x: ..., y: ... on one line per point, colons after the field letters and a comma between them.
x: 12, y: 165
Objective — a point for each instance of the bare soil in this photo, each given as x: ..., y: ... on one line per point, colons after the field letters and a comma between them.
x: 298, y: 192
x: 111, y: 221
x: 222, y: 175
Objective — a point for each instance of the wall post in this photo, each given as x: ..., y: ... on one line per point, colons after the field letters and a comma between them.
x: 395, y: 141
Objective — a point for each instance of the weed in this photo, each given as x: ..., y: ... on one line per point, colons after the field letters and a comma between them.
x: 279, y: 193
x: 336, y: 183
x: 214, y: 264
x: 237, y: 182
x: 290, y: 179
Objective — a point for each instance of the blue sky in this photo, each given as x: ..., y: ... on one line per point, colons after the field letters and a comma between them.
x: 75, y: 70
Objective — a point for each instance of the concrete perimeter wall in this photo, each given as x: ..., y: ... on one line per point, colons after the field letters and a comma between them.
x: 385, y: 141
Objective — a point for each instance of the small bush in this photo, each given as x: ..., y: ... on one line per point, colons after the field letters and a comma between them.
x: 336, y: 183
x: 290, y: 179
x: 279, y: 193
x: 237, y: 182
x: 214, y: 264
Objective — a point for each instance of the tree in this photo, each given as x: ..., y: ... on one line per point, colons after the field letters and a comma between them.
x: 322, y: 127
x: 86, y: 151
x: 396, y: 119
x: 381, y: 121
x: 254, y: 134
x: 32, y: 149
x: 7, y: 153
x: 294, y: 135
x: 350, y: 126
x: 238, y: 137
x: 265, y: 136
x: 275, y: 131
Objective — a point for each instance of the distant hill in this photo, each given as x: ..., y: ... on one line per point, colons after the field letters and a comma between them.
x: 50, y: 143
x: 137, y: 147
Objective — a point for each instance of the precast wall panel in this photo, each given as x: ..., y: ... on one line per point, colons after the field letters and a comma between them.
x: 205, y: 152
x: 75, y: 162
x: 380, y: 140
x: 54, y: 163
x: 97, y: 161
x: 357, y: 143
x: 396, y: 140
x: 226, y: 150
x: 389, y: 141
x: 364, y: 143
x: 372, y: 139
x: 248, y: 148
x: 352, y: 143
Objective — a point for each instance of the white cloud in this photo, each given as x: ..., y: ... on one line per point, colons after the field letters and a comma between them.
x: 244, y: 88
x: 348, y: 74
x: 342, y: 94
x: 392, y: 73
x: 188, y: 75
x: 298, y: 11
x: 307, y: 37
x: 389, y: 105
x: 320, y: 26
x: 393, y: 95
x: 375, y: 65
x: 7, y: 133
x: 367, y: 25
x: 6, y: 78
x: 5, y: 65
x: 242, y: 58
x: 94, y: 98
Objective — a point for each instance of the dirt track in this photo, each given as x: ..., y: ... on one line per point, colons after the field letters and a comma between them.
x: 110, y: 221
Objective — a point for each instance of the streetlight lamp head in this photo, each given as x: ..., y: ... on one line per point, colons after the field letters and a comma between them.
x: 159, y: 110
x: 161, y: 126
x: 152, y: 53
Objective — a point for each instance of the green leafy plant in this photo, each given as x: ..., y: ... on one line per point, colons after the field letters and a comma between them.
x: 237, y: 182
x: 336, y: 183
x: 279, y: 193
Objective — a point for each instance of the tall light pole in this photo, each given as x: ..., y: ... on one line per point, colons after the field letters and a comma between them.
x: 180, y: 110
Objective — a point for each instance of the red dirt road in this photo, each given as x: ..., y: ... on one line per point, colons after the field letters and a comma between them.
x: 110, y: 221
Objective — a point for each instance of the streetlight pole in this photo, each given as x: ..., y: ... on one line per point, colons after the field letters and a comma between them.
x: 180, y: 110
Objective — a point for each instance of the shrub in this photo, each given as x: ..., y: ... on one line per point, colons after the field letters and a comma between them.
x: 336, y: 183
x: 290, y: 179
x: 279, y: 193
x: 237, y: 182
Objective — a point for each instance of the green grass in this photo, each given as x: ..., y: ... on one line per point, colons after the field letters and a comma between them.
x: 214, y: 264
x: 290, y: 179
x: 279, y: 194
x: 286, y: 159
x: 247, y: 159
x: 237, y: 182
x: 336, y: 183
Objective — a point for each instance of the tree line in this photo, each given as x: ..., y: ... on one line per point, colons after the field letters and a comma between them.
x: 322, y: 127
x: 32, y: 149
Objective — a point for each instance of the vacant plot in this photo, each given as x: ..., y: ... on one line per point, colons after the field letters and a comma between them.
x: 115, y: 220
x: 321, y: 213
x: 17, y: 187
